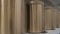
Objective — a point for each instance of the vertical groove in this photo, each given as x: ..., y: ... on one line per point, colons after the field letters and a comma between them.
x: 9, y: 15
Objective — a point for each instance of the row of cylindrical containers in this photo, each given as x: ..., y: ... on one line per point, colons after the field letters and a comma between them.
x: 43, y: 18
x: 17, y: 17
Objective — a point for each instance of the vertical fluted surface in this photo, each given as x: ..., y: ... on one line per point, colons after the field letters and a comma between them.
x: 36, y: 8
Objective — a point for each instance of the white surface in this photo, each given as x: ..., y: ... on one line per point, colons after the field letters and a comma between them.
x: 57, y: 31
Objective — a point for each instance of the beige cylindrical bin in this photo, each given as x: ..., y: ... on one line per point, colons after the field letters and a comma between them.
x: 36, y: 8
x: 49, y: 18
x: 58, y: 19
x: 8, y: 17
x: 53, y: 18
